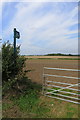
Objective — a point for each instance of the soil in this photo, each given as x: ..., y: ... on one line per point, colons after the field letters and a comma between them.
x: 36, y: 67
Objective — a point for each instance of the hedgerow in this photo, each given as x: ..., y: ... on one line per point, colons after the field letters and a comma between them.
x: 12, y: 73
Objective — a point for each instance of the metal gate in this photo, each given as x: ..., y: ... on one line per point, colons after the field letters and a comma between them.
x: 61, y: 89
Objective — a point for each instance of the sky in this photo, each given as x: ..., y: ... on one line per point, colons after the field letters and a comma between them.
x: 45, y: 27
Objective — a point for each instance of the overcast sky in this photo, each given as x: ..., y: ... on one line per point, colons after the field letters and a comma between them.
x: 45, y: 27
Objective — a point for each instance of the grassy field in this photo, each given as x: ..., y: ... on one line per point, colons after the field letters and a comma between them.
x: 35, y: 105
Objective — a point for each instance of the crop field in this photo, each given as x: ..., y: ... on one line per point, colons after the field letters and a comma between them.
x: 36, y: 63
x: 55, y: 57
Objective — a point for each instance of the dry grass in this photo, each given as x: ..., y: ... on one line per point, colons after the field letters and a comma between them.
x: 51, y: 56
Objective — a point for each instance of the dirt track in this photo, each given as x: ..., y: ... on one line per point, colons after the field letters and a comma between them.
x: 36, y: 67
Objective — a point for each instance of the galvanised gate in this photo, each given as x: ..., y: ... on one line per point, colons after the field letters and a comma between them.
x: 63, y: 89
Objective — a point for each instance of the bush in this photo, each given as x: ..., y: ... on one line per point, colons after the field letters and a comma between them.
x: 11, y: 73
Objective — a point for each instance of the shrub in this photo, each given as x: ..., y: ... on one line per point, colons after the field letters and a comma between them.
x: 11, y: 73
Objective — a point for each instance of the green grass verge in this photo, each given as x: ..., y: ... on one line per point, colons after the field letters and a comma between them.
x: 31, y: 104
x: 43, y: 107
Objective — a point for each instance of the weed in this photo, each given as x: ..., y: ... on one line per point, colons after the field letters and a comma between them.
x: 71, y: 110
x: 69, y: 114
x: 27, y: 102
x: 7, y: 106
x: 32, y: 104
x: 67, y: 90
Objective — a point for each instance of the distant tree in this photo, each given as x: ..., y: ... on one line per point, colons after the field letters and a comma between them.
x: 70, y: 55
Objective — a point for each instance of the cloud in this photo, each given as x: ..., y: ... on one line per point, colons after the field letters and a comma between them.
x: 39, y: 0
x: 44, y: 30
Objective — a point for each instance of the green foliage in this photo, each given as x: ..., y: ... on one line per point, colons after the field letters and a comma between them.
x: 8, y: 65
x: 11, y: 72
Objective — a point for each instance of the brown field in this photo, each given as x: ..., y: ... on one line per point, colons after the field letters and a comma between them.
x: 36, y: 73
x: 36, y: 67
